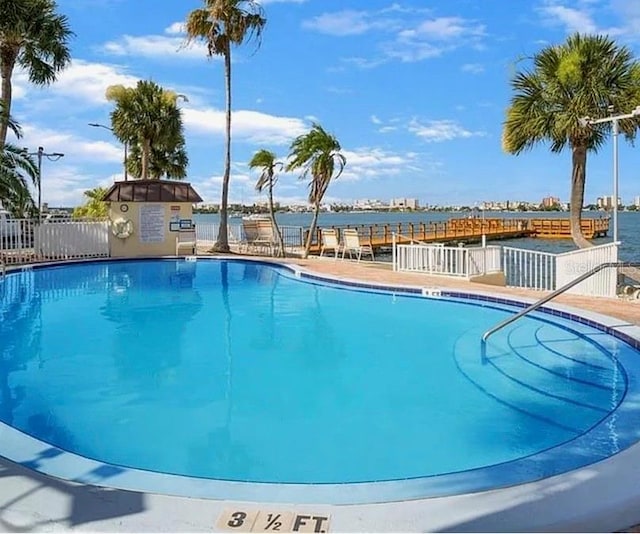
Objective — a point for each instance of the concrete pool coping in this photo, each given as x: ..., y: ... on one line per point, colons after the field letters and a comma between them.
x: 600, y: 497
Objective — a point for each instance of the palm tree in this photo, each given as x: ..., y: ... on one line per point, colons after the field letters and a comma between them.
x: 17, y: 169
x: 587, y: 76
x: 34, y: 37
x: 147, y: 116
x: 317, y: 153
x: 266, y: 160
x: 94, y: 207
x: 221, y: 24
x: 166, y: 160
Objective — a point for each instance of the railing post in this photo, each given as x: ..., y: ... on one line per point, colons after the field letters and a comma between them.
x: 393, y: 251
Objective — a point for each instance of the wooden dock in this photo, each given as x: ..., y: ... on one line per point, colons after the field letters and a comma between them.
x: 561, y: 228
x: 468, y: 230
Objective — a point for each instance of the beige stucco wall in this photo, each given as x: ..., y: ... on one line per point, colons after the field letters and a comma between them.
x: 134, y: 245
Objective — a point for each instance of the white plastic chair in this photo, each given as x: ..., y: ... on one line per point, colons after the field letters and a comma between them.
x: 330, y: 241
x: 351, y: 244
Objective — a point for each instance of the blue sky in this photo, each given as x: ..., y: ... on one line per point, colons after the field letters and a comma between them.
x: 415, y: 91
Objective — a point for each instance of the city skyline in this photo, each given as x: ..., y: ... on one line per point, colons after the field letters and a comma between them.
x: 390, y: 80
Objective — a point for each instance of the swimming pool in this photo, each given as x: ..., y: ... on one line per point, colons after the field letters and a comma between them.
x: 233, y: 375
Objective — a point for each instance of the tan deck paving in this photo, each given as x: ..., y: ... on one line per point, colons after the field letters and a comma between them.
x: 627, y: 310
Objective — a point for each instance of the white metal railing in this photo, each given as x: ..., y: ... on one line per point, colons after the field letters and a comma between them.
x: 483, y: 260
x: 545, y: 271
x: 570, y: 265
x: 16, y: 240
x: 448, y: 261
x: 529, y: 268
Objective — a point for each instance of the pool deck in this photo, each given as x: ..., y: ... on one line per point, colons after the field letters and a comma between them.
x: 381, y: 273
x: 602, y: 497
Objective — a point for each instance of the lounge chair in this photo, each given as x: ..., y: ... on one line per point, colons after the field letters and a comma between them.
x: 258, y: 234
x: 330, y: 241
x: 351, y: 244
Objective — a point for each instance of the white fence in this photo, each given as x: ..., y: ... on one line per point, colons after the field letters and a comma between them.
x: 72, y: 240
x: 449, y: 261
x: 529, y: 268
x: 482, y: 260
x: 24, y: 240
x: 572, y: 264
x: 544, y: 271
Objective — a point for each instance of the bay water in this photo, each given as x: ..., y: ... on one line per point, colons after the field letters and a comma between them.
x: 628, y: 226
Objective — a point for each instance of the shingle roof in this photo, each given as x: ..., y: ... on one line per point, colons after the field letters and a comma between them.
x: 152, y: 191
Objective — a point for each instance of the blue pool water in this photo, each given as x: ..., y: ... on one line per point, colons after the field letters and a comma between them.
x: 241, y: 371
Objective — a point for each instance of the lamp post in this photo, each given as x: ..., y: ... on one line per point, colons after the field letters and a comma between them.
x: 126, y: 147
x: 614, y: 119
x: 53, y: 156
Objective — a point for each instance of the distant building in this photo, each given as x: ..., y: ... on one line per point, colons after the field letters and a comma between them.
x: 606, y: 203
x: 636, y: 202
x: 370, y: 204
x: 404, y: 203
x: 550, y: 202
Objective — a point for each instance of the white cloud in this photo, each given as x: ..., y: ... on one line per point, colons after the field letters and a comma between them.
x: 363, y: 163
x: 433, y: 37
x: 629, y: 15
x: 75, y: 148
x: 443, y: 29
x: 472, y: 68
x: 241, y: 188
x: 346, y: 22
x: 440, y: 130
x: 176, y: 28
x: 415, y: 37
x: 64, y: 185
x: 574, y: 20
x: 581, y: 17
x: 247, y: 125
x: 89, y: 81
x: 375, y: 120
x: 155, y: 46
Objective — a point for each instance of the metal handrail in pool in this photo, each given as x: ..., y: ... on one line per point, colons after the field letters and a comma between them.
x: 557, y: 292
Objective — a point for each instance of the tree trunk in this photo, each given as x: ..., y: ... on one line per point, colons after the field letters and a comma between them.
x: 579, y: 157
x: 146, y: 151
x: 276, y: 228
x: 312, y: 230
x: 222, y: 244
x: 7, y: 61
